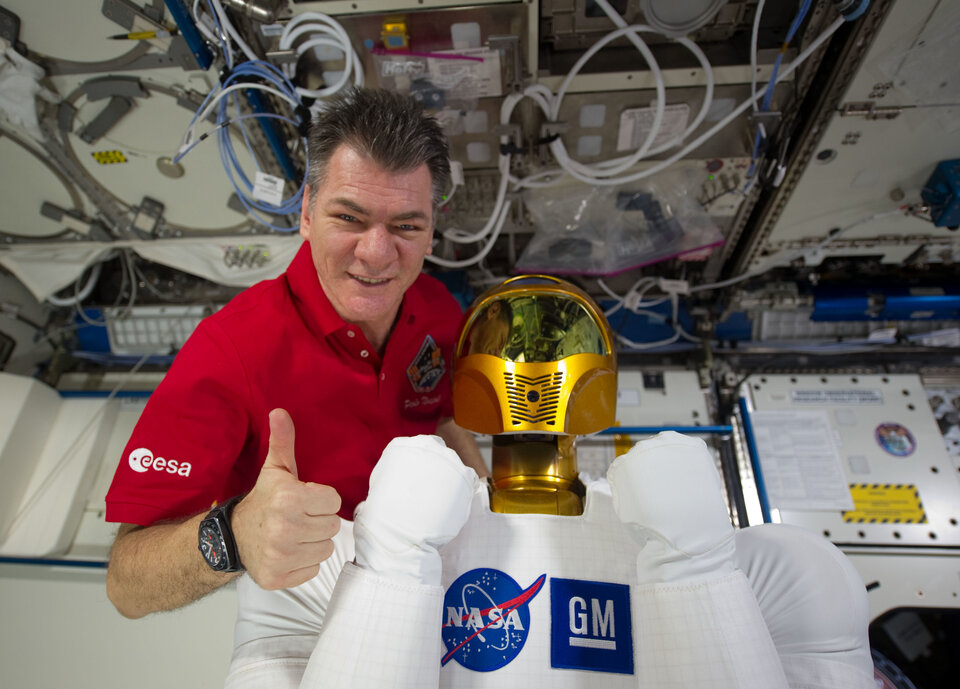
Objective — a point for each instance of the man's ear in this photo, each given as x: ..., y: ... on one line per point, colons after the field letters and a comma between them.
x: 305, y: 213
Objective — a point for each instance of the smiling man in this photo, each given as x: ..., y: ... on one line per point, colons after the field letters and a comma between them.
x: 351, y: 346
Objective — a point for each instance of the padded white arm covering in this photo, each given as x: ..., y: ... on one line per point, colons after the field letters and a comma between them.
x: 276, y: 631
x: 705, y: 634
x: 668, y: 493
x: 698, y: 622
x: 379, y: 633
x: 814, y: 603
x: 419, y: 499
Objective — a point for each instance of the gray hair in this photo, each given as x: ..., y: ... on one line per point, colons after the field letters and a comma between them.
x: 391, y: 129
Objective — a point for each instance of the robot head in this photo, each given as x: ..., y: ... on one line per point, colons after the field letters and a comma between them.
x: 535, y: 355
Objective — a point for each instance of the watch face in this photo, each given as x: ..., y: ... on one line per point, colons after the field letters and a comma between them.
x: 212, y: 546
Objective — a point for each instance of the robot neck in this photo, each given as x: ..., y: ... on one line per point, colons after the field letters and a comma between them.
x: 536, y: 476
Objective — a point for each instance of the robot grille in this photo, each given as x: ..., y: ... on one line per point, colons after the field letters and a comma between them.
x: 533, y: 400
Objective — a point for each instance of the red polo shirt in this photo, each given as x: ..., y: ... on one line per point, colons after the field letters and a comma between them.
x: 204, y: 432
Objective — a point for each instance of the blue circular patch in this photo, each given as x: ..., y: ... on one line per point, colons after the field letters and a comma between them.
x: 486, y: 619
x: 895, y: 439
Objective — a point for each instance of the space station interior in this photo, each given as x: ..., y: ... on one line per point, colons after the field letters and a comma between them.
x: 763, y: 197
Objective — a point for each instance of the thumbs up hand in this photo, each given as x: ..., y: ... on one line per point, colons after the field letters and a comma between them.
x: 284, y: 526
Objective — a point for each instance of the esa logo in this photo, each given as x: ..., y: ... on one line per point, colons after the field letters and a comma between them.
x: 142, y: 460
x: 591, y: 626
x: 487, y: 618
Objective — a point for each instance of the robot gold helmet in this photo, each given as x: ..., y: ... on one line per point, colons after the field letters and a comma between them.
x: 535, y: 355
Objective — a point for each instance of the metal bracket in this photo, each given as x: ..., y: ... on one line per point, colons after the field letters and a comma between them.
x: 511, y: 45
x: 125, y: 13
x: 108, y: 117
x: 146, y: 223
x: 281, y: 57
x: 108, y: 87
x: 75, y: 222
x: 870, y: 110
x: 513, y: 131
x: 769, y: 119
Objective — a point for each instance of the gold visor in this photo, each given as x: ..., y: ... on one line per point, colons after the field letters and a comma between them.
x: 535, y: 354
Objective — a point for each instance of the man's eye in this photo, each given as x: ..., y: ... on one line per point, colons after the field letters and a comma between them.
x: 347, y: 218
x: 407, y: 228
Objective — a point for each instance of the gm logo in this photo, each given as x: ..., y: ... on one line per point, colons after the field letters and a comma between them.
x: 591, y: 626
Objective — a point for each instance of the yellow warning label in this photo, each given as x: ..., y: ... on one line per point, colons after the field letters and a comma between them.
x: 109, y: 157
x: 885, y: 503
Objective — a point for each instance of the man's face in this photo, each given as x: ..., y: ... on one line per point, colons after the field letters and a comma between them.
x: 369, y: 230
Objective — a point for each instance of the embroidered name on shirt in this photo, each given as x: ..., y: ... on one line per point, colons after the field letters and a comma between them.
x: 427, y: 367
x: 426, y: 400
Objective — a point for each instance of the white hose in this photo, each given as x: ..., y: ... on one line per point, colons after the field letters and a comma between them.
x: 83, y: 293
x: 331, y: 33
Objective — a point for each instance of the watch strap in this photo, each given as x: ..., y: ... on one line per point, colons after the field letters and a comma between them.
x: 221, y: 515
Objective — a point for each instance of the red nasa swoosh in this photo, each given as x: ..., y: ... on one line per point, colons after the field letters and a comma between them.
x: 506, y: 608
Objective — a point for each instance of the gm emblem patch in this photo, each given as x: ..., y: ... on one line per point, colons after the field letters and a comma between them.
x: 591, y: 628
x: 427, y: 368
x: 486, y: 619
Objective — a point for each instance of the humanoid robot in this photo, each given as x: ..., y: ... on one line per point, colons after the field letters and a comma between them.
x: 540, y: 578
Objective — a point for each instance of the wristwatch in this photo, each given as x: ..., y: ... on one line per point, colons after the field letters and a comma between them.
x: 216, y: 541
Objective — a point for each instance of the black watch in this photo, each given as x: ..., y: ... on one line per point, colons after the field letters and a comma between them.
x: 216, y: 541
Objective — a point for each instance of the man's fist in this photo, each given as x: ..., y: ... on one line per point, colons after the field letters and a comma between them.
x: 283, y: 526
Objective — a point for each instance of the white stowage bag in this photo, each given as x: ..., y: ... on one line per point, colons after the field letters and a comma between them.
x: 19, y: 85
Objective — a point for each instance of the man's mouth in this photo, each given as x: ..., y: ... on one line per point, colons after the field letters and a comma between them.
x: 369, y: 281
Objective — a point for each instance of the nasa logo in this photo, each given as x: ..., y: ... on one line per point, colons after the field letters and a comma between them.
x: 142, y: 460
x: 591, y: 626
x: 487, y: 619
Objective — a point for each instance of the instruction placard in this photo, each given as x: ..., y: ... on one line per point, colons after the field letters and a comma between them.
x: 799, y: 460
x: 885, y: 503
x: 635, y: 125
x: 466, y: 73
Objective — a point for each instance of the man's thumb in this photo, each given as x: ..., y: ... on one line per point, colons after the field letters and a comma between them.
x: 280, y: 451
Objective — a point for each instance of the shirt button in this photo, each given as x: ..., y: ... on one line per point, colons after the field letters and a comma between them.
x: 350, y: 333
x: 364, y: 353
x: 383, y: 376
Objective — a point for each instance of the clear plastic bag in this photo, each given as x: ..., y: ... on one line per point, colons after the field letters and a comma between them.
x: 602, y: 231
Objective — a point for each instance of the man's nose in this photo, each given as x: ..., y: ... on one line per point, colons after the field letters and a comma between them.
x: 376, y: 246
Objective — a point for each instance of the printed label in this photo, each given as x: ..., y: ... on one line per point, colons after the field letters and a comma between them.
x: 885, y: 503
x: 268, y: 188
x: 836, y: 396
x: 635, y: 125
x: 591, y: 626
x: 467, y: 73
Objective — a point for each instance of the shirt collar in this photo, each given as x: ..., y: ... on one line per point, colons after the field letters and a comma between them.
x: 310, y: 299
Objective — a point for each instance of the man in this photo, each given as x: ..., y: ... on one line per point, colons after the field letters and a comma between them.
x: 351, y: 344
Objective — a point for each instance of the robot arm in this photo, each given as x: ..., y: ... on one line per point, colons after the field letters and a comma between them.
x: 697, y: 620
x: 769, y: 606
x: 382, y: 627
